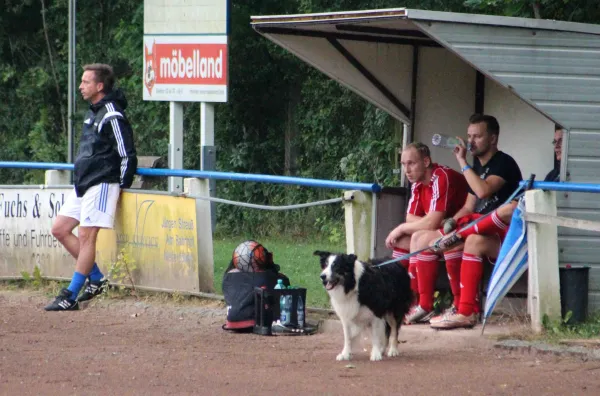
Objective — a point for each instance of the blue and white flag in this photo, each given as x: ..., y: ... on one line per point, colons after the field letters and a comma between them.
x: 511, y: 262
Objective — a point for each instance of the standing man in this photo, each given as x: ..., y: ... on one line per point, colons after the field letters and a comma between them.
x: 436, y: 192
x: 105, y: 163
x: 492, y: 179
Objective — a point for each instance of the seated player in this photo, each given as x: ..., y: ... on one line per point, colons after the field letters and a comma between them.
x: 436, y: 192
x: 492, y: 179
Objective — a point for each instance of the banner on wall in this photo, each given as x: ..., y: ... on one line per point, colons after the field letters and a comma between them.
x: 158, y: 232
x: 26, y: 241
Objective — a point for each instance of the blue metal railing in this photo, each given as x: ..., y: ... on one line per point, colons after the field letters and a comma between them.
x: 564, y: 186
x: 298, y: 181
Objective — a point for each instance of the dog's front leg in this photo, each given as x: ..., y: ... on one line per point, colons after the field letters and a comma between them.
x: 378, y: 339
x: 346, y: 353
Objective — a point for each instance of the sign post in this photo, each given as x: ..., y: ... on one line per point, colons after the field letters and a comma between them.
x: 185, y: 60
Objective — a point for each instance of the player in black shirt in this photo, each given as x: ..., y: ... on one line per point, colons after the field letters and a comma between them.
x: 493, y: 177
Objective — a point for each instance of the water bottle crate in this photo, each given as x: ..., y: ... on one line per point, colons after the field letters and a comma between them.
x: 295, y: 293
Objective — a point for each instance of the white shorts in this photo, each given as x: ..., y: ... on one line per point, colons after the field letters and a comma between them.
x: 96, y: 208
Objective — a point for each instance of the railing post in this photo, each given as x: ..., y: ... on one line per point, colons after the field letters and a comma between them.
x: 358, y: 212
x: 206, y: 263
x: 544, y: 285
x: 57, y: 177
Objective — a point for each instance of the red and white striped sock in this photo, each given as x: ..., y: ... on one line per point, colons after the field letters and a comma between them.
x: 398, y: 252
x: 453, y: 261
x: 427, y: 267
x: 414, y: 282
x: 490, y: 225
x: 471, y: 272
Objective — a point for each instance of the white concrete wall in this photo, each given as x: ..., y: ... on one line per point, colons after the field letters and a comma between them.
x: 445, y: 99
x: 525, y: 134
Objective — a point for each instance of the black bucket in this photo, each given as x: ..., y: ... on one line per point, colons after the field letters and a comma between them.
x: 263, y: 310
x: 574, y: 285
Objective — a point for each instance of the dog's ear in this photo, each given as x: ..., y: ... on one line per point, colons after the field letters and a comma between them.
x: 322, y: 258
x: 321, y: 253
x: 352, y: 258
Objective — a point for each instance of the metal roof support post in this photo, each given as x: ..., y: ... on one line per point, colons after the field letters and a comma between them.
x: 413, y: 94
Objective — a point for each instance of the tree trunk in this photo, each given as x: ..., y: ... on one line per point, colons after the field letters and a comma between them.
x: 291, y: 132
x: 536, y: 9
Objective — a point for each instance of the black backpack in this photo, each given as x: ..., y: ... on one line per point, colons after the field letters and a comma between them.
x: 238, y: 290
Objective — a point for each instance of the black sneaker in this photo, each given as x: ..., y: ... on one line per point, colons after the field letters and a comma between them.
x: 63, y: 302
x: 93, y: 289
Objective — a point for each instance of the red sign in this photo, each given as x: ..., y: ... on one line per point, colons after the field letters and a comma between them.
x: 189, y: 64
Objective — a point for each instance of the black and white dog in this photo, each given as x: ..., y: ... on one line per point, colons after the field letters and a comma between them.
x: 363, y: 296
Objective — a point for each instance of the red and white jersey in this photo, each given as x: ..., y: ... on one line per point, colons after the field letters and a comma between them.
x: 446, y: 192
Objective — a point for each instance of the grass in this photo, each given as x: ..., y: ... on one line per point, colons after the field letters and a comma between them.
x: 295, y: 257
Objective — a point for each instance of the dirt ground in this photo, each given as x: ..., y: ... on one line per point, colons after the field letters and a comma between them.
x: 157, y: 347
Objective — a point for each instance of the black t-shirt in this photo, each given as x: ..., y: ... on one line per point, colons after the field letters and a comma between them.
x: 501, y: 165
x: 554, y: 174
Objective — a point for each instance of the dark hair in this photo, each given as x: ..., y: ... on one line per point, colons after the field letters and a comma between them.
x: 104, y: 74
x: 421, y: 148
x: 557, y: 127
x: 491, y: 123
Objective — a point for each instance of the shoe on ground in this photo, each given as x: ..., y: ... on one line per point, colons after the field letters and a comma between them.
x: 455, y: 321
x: 63, y: 302
x: 93, y: 289
x: 448, y: 311
x: 418, y: 315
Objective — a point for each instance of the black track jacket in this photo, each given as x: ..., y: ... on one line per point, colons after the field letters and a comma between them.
x: 106, y: 150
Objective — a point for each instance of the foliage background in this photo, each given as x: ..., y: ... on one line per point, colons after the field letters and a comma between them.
x: 276, y: 101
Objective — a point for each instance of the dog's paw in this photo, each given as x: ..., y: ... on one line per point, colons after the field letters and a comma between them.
x: 393, y: 352
x: 376, y: 356
x: 343, y: 356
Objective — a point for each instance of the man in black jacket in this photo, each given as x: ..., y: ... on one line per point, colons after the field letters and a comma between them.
x: 105, y: 163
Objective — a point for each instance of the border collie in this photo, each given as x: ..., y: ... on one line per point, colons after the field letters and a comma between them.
x: 363, y: 296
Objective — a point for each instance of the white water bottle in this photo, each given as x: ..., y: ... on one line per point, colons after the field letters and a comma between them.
x: 445, y: 141
x: 300, y: 312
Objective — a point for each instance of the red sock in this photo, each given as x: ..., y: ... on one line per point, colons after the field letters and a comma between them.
x: 453, y: 261
x: 399, y: 253
x: 427, y: 267
x: 471, y: 272
x: 414, y: 282
x: 490, y: 225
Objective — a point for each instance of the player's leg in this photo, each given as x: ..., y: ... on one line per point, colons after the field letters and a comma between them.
x: 98, y: 206
x: 495, y: 223
x: 401, y: 248
x: 65, y: 223
x: 471, y: 272
x: 104, y: 212
x: 425, y: 267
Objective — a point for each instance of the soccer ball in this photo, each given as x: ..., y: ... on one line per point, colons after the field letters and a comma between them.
x: 250, y: 256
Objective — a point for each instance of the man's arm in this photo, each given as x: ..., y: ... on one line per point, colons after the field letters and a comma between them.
x: 431, y: 221
x: 120, y: 130
x: 483, y: 188
x: 411, y: 217
x: 468, y: 207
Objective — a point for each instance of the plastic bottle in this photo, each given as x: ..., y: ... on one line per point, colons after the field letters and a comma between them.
x: 444, y: 141
x: 285, y: 303
x: 300, y: 312
x: 279, y: 284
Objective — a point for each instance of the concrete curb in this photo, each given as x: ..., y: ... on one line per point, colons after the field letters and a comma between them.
x: 533, y: 348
